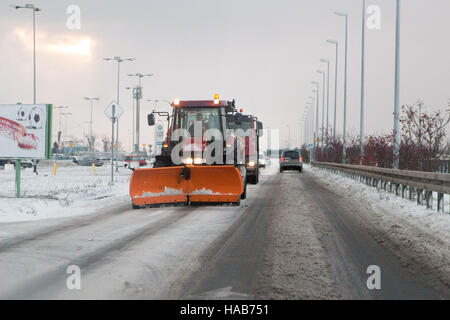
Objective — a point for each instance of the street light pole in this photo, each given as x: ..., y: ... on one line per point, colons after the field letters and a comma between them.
x: 344, y: 139
x: 335, y: 85
x: 91, y: 140
x: 316, y: 133
x: 34, y: 9
x: 60, y: 127
x: 118, y: 60
x: 363, y: 53
x: 397, y: 91
x: 328, y: 95
x: 138, y: 97
x: 323, y: 102
x: 65, y: 114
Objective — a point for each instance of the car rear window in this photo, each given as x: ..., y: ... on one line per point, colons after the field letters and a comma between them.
x: 291, y: 154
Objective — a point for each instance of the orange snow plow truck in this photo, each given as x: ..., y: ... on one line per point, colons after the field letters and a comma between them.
x: 201, y: 161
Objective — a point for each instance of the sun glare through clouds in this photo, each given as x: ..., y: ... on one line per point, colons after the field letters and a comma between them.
x: 63, y: 44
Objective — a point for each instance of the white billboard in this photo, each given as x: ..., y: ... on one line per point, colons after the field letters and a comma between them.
x: 25, y: 131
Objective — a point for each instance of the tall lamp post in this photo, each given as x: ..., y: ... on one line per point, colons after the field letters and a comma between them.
x: 65, y: 114
x: 316, y: 133
x: 335, y: 84
x: 328, y: 95
x: 344, y: 139
x: 138, y: 97
x: 91, y: 139
x: 323, y: 102
x: 363, y: 53
x: 312, y: 104
x: 397, y: 91
x: 133, y: 89
x: 60, y: 122
x: 118, y: 60
x: 34, y: 9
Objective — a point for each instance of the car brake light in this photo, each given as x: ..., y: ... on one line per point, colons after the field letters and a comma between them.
x: 282, y: 159
x: 300, y: 159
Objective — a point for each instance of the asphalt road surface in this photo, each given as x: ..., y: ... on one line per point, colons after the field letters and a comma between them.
x: 293, y: 238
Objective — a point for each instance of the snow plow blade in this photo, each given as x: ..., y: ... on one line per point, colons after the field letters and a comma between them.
x: 157, y: 186
x: 215, y: 184
x: 190, y: 184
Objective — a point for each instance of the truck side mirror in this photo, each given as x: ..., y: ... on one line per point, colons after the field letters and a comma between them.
x: 260, y: 129
x: 151, y: 119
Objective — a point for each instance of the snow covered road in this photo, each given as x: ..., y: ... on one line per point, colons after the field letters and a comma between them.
x: 297, y: 236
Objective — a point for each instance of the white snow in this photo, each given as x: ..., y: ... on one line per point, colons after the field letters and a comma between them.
x: 205, y: 191
x: 390, y: 206
x: 75, y: 190
x: 167, y: 192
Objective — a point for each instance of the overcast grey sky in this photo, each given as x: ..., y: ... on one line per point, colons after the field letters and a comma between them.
x: 262, y: 53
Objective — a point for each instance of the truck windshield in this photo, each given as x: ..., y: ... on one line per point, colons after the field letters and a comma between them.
x: 245, y: 125
x: 209, y: 118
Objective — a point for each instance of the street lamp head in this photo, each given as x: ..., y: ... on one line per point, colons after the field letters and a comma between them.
x: 340, y: 14
x: 320, y: 72
x: 325, y: 60
x: 332, y: 41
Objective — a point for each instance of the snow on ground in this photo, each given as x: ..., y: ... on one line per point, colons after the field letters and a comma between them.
x: 75, y: 190
x: 414, y: 232
x: 383, y: 202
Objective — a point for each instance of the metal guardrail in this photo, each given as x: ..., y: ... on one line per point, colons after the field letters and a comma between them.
x: 415, y: 185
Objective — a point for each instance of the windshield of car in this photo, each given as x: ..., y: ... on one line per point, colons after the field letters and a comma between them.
x: 291, y: 154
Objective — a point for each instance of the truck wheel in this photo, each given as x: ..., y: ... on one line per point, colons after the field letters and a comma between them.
x: 244, y: 194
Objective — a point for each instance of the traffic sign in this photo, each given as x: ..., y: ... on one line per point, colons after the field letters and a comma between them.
x: 118, y: 111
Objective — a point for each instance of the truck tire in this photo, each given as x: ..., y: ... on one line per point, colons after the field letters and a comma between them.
x: 244, y: 194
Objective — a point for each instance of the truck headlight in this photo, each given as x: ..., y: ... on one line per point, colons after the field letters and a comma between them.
x: 251, y: 163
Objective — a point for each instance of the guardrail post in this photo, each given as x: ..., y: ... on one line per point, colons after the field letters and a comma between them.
x: 419, y: 196
x: 429, y: 199
x: 440, y: 203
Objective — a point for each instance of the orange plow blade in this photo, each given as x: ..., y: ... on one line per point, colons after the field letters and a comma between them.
x: 217, y: 184
x: 157, y: 186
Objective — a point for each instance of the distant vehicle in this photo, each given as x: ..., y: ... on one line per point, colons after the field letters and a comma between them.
x: 262, y: 160
x: 24, y: 163
x: 60, y: 156
x: 291, y: 160
x: 88, y: 161
x: 134, y: 161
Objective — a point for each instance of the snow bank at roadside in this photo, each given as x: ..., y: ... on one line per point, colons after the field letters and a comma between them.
x: 390, y: 206
x: 73, y: 191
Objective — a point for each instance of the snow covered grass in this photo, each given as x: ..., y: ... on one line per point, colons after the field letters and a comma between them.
x: 389, y: 205
x: 75, y: 190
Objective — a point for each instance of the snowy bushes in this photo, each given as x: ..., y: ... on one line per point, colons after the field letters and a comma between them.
x: 424, y: 143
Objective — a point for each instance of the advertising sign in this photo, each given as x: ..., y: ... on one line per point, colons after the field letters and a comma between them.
x: 25, y: 131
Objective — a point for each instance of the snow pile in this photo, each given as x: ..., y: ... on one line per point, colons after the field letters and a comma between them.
x: 73, y: 191
x: 167, y: 192
x: 390, y: 206
x: 204, y: 192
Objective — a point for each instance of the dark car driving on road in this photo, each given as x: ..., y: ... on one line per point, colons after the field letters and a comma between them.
x: 291, y: 160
